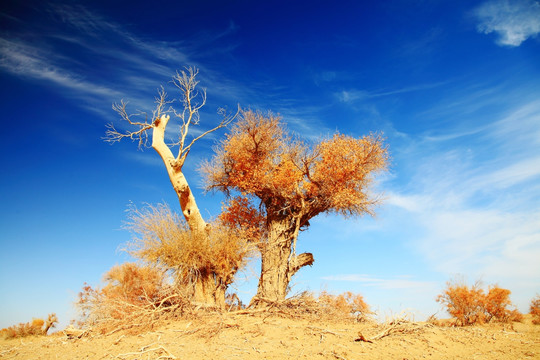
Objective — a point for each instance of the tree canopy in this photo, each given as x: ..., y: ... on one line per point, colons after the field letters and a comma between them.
x: 259, y: 158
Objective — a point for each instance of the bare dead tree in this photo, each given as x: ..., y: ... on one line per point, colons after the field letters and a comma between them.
x: 143, y: 127
x: 154, y: 126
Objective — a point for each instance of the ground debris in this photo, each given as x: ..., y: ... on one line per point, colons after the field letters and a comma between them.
x: 159, y: 349
x: 74, y: 333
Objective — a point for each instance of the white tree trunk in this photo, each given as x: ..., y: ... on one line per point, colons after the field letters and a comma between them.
x: 174, y: 168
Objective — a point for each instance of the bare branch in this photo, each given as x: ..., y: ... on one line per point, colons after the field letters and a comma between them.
x: 113, y: 135
x: 140, y: 135
x: 226, y: 120
x: 186, y: 82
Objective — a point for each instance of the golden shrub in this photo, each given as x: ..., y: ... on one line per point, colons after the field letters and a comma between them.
x: 163, y: 238
x: 534, y: 310
x: 472, y: 305
x: 35, y: 327
x: 132, y: 294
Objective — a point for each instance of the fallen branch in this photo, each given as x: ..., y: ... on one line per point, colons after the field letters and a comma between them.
x: 73, y: 333
x: 124, y: 327
x: 144, y: 351
x: 362, y: 338
x: 398, y: 326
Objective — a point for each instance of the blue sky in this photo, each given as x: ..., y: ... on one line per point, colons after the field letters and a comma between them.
x: 454, y: 86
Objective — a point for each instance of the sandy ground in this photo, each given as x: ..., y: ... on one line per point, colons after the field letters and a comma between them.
x: 241, y: 336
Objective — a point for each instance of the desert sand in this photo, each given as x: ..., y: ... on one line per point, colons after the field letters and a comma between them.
x: 271, y: 336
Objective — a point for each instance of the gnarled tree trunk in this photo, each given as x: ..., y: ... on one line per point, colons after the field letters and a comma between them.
x: 278, y: 262
x: 209, y: 290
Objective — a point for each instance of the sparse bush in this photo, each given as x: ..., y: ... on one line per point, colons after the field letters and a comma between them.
x: 535, y: 310
x: 133, y: 283
x: 35, y: 327
x: 346, y: 306
x: 463, y: 303
x: 181, y: 268
x: 497, y: 303
x: 233, y: 302
x: 203, y: 266
x: 133, y: 295
x: 472, y: 305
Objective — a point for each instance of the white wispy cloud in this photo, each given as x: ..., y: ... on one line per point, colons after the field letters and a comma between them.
x: 514, y: 21
x: 34, y: 62
x: 401, y: 282
x: 130, y: 67
x: 355, y: 94
x: 477, y: 203
x: 511, y: 175
x: 527, y: 116
x: 478, y: 241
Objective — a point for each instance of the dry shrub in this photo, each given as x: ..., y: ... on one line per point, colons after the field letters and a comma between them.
x: 134, y: 296
x: 133, y: 283
x: 497, y: 304
x: 233, y: 302
x: 472, y: 305
x: 346, y: 306
x: 164, y: 239
x: 463, y: 303
x: 181, y: 269
x: 535, y: 310
x: 35, y: 327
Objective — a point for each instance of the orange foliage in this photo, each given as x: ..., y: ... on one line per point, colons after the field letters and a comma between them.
x: 497, y: 303
x: 471, y: 305
x: 35, y: 327
x: 259, y: 158
x: 463, y: 303
x: 133, y: 283
x: 342, y: 172
x: 349, y: 304
x: 241, y: 215
x: 535, y: 310
x: 129, y: 290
